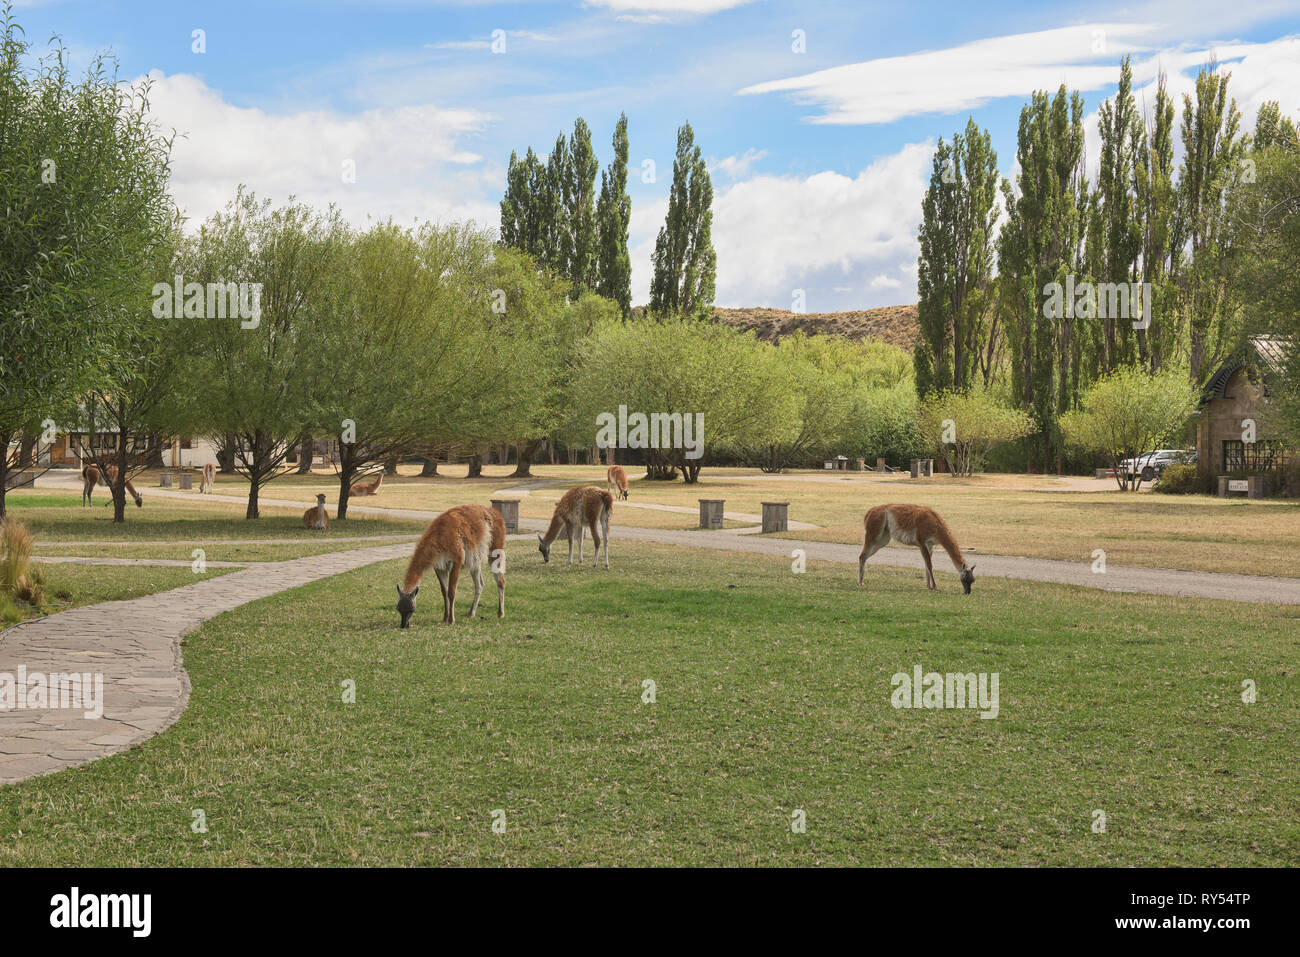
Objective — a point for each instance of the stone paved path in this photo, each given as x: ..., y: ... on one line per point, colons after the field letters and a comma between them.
x: 135, y: 645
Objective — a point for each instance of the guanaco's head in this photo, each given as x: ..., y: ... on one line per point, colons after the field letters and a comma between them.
x: 139, y: 500
x: 406, y: 604
x: 320, y: 499
x: 544, y: 547
x: 967, y: 577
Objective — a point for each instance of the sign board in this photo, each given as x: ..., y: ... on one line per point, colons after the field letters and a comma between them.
x: 1238, y: 485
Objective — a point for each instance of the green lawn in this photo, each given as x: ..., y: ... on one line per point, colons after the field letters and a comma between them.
x: 71, y: 586
x: 773, y: 694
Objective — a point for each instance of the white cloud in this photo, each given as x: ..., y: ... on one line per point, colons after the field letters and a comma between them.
x: 668, y: 6
x: 967, y: 76
x: 774, y: 234
x: 737, y: 167
x: 409, y: 161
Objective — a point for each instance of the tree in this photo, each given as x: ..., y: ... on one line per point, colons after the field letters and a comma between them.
x: 1116, y: 208
x: 83, y: 187
x: 413, y: 306
x: 1041, y: 244
x: 965, y: 426
x: 955, y: 267
x: 685, y: 265
x: 580, y: 213
x: 706, y: 385
x: 1211, y: 164
x: 128, y: 411
x: 1265, y: 221
x: 613, y: 216
x: 1162, y: 232
x: 260, y: 378
x: 1128, y: 413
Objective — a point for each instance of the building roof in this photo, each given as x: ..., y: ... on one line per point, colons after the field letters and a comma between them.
x: 1263, y: 354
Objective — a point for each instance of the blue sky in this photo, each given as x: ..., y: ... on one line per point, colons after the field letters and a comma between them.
x: 819, y: 157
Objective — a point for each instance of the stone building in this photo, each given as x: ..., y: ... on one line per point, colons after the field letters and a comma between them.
x: 1232, y: 430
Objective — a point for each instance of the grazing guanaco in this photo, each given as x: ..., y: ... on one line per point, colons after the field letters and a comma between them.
x: 616, y: 481
x: 367, y: 488
x: 467, y: 536
x: 208, y: 479
x: 913, y: 525
x: 583, y: 507
x: 316, y: 518
x: 90, y: 477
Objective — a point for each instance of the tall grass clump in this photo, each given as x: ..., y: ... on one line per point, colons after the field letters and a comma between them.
x: 18, y: 578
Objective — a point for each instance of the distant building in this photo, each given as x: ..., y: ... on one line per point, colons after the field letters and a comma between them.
x: 1233, y: 440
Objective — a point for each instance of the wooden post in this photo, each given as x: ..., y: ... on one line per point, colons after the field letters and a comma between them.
x: 776, y: 516
x: 711, y: 512
x: 509, y: 509
x: 859, y: 465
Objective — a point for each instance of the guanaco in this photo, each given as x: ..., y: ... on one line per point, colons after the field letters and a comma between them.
x: 316, y: 518
x: 208, y: 479
x: 616, y: 481
x: 913, y: 525
x: 583, y: 507
x: 90, y: 477
x: 467, y: 536
x: 367, y: 488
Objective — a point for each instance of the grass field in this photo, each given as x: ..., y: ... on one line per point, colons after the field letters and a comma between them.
x: 71, y: 586
x: 772, y: 695
x: 1032, y: 516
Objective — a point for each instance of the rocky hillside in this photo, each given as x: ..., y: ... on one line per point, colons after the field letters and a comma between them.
x: 892, y: 324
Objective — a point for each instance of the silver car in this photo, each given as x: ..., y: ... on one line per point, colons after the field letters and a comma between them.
x: 1151, y: 465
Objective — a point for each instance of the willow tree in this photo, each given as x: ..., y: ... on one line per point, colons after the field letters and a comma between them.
x: 83, y: 187
x: 259, y: 378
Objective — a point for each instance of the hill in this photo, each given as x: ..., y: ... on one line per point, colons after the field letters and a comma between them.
x: 896, y: 325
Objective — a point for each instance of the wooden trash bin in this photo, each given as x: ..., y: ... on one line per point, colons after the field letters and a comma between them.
x: 509, y: 509
x: 165, y: 480
x: 859, y: 465
x: 922, y: 467
x: 776, y: 516
x: 711, y: 512
x: 187, y: 481
x: 24, y: 479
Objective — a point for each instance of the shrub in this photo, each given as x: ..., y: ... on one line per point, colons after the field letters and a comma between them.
x: 1178, y: 480
x: 18, y: 577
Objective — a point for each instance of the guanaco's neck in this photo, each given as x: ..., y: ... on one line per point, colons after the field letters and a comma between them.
x: 950, y: 546
x: 553, y: 532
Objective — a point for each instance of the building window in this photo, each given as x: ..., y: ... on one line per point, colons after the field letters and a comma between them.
x: 1265, y: 455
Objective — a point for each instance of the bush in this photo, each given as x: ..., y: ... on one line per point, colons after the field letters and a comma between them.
x: 1178, y: 480
x: 18, y: 578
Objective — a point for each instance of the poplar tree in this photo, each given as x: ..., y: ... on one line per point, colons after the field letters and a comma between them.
x: 955, y: 267
x: 613, y: 215
x: 685, y: 265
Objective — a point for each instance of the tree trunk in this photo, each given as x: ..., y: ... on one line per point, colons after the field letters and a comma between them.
x: 305, y: 455
x: 475, y: 466
x: 523, y: 468
x: 347, y: 472
x: 252, y: 512
x: 4, y: 469
x: 226, y: 456
x: 390, y: 464
x: 26, y: 453
x: 155, y: 460
x: 430, y: 469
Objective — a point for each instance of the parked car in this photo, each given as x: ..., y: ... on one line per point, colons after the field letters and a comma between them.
x: 1151, y: 465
